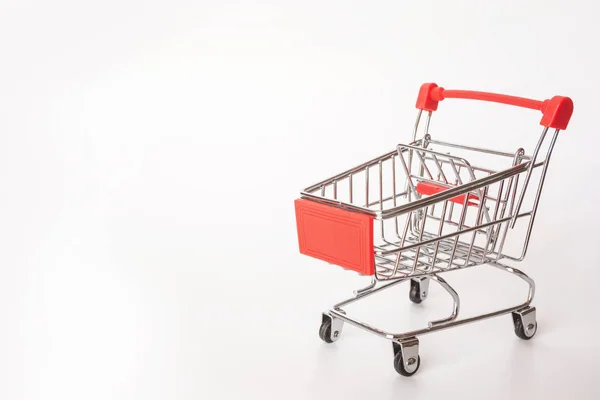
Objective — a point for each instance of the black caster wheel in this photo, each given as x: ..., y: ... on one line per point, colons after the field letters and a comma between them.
x: 417, y: 292
x: 331, y: 329
x: 406, y: 357
x: 408, y: 368
x: 325, y: 331
x: 522, y: 331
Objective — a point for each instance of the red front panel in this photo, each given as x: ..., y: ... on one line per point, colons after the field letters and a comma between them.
x: 334, y: 235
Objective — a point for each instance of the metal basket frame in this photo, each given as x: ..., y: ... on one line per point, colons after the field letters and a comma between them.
x: 419, y: 236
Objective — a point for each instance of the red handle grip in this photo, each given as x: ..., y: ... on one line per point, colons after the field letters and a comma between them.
x: 556, y: 112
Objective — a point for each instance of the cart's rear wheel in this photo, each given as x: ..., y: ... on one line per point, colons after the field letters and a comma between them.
x: 416, y: 294
x: 408, y: 368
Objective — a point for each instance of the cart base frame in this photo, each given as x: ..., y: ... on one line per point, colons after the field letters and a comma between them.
x: 406, y: 344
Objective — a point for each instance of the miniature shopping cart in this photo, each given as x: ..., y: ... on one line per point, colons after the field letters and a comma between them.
x: 422, y: 210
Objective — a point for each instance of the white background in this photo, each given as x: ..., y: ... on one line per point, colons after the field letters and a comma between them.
x: 150, y: 155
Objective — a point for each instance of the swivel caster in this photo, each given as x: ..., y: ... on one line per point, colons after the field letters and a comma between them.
x: 525, y: 323
x: 406, y: 356
x: 331, y: 329
x: 419, y: 289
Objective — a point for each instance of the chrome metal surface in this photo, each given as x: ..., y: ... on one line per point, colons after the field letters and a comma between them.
x: 528, y: 176
x: 455, y: 305
x: 338, y: 312
x: 424, y: 286
x: 465, y: 224
x: 336, y: 326
x: 366, y: 288
x: 410, y: 353
x: 479, y: 149
x: 528, y: 320
x: 418, y: 234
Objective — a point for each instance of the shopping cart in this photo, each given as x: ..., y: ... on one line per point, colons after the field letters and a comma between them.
x: 419, y: 211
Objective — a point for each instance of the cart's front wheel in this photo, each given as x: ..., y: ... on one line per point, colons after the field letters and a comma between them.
x: 406, y: 368
x: 406, y: 356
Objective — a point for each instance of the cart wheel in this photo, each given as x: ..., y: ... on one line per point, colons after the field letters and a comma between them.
x: 408, y: 368
x: 325, y: 331
x: 525, y: 323
x: 523, y: 332
x: 406, y: 356
x: 417, y: 293
x: 330, y: 330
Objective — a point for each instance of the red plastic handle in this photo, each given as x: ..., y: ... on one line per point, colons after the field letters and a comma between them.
x: 556, y: 112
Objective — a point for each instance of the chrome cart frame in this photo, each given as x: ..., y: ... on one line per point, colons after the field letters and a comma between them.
x: 420, y: 211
